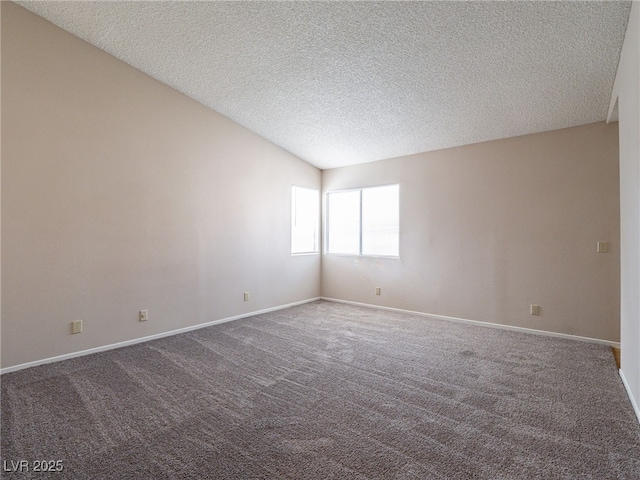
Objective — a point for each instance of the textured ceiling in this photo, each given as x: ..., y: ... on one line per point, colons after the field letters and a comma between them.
x: 340, y: 83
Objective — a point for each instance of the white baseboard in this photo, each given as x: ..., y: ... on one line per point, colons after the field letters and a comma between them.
x: 127, y: 343
x: 481, y: 323
x: 631, y: 398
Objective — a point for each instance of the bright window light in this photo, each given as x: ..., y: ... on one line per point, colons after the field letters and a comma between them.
x: 305, y: 220
x: 364, y: 221
x: 380, y: 220
x: 343, y: 230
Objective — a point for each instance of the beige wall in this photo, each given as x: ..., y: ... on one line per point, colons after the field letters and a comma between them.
x: 488, y: 229
x: 627, y: 93
x: 120, y: 194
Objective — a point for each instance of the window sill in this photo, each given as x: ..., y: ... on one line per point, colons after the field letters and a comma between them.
x: 357, y: 255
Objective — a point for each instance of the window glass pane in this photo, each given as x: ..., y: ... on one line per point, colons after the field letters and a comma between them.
x: 305, y: 220
x: 380, y: 220
x: 343, y: 222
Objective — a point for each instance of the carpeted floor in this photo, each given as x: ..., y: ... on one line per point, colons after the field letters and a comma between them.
x: 327, y: 390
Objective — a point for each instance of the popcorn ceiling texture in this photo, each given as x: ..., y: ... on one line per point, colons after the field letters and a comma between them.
x: 342, y: 83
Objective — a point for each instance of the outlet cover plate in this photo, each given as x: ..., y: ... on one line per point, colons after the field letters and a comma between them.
x: 76, y: 326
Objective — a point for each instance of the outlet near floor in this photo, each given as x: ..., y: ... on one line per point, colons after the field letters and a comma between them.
x: 76, y: 327
x: 143, y: 315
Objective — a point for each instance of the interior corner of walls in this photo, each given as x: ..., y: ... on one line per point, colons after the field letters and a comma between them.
x: 613, y: 108
x: 614, y: 94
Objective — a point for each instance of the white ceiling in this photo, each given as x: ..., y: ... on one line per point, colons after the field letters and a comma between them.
x: 339, y: 83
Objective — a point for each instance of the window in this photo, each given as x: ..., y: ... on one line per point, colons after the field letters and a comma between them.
x: 364, y: 221
x: 305, y: 220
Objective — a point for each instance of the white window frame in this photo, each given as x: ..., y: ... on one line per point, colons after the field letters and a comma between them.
x: 327, y: 213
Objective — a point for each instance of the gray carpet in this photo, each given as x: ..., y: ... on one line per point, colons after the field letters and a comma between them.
x: 327, y: 390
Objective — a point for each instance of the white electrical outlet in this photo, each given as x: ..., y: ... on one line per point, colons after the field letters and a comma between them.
x: 246, y: 296
x: 602, y: 247
x: 535, y: 310
x: 143, y: 316
x: 377, y: 290
x: 76, y: 326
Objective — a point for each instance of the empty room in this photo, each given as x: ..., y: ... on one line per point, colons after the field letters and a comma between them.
x: 311, y: 240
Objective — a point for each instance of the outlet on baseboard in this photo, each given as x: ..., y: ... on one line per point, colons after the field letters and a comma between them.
x: 143, y: 315
x: 76, y: 326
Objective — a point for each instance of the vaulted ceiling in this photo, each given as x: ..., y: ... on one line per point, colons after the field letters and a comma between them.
x: 340, y: 83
